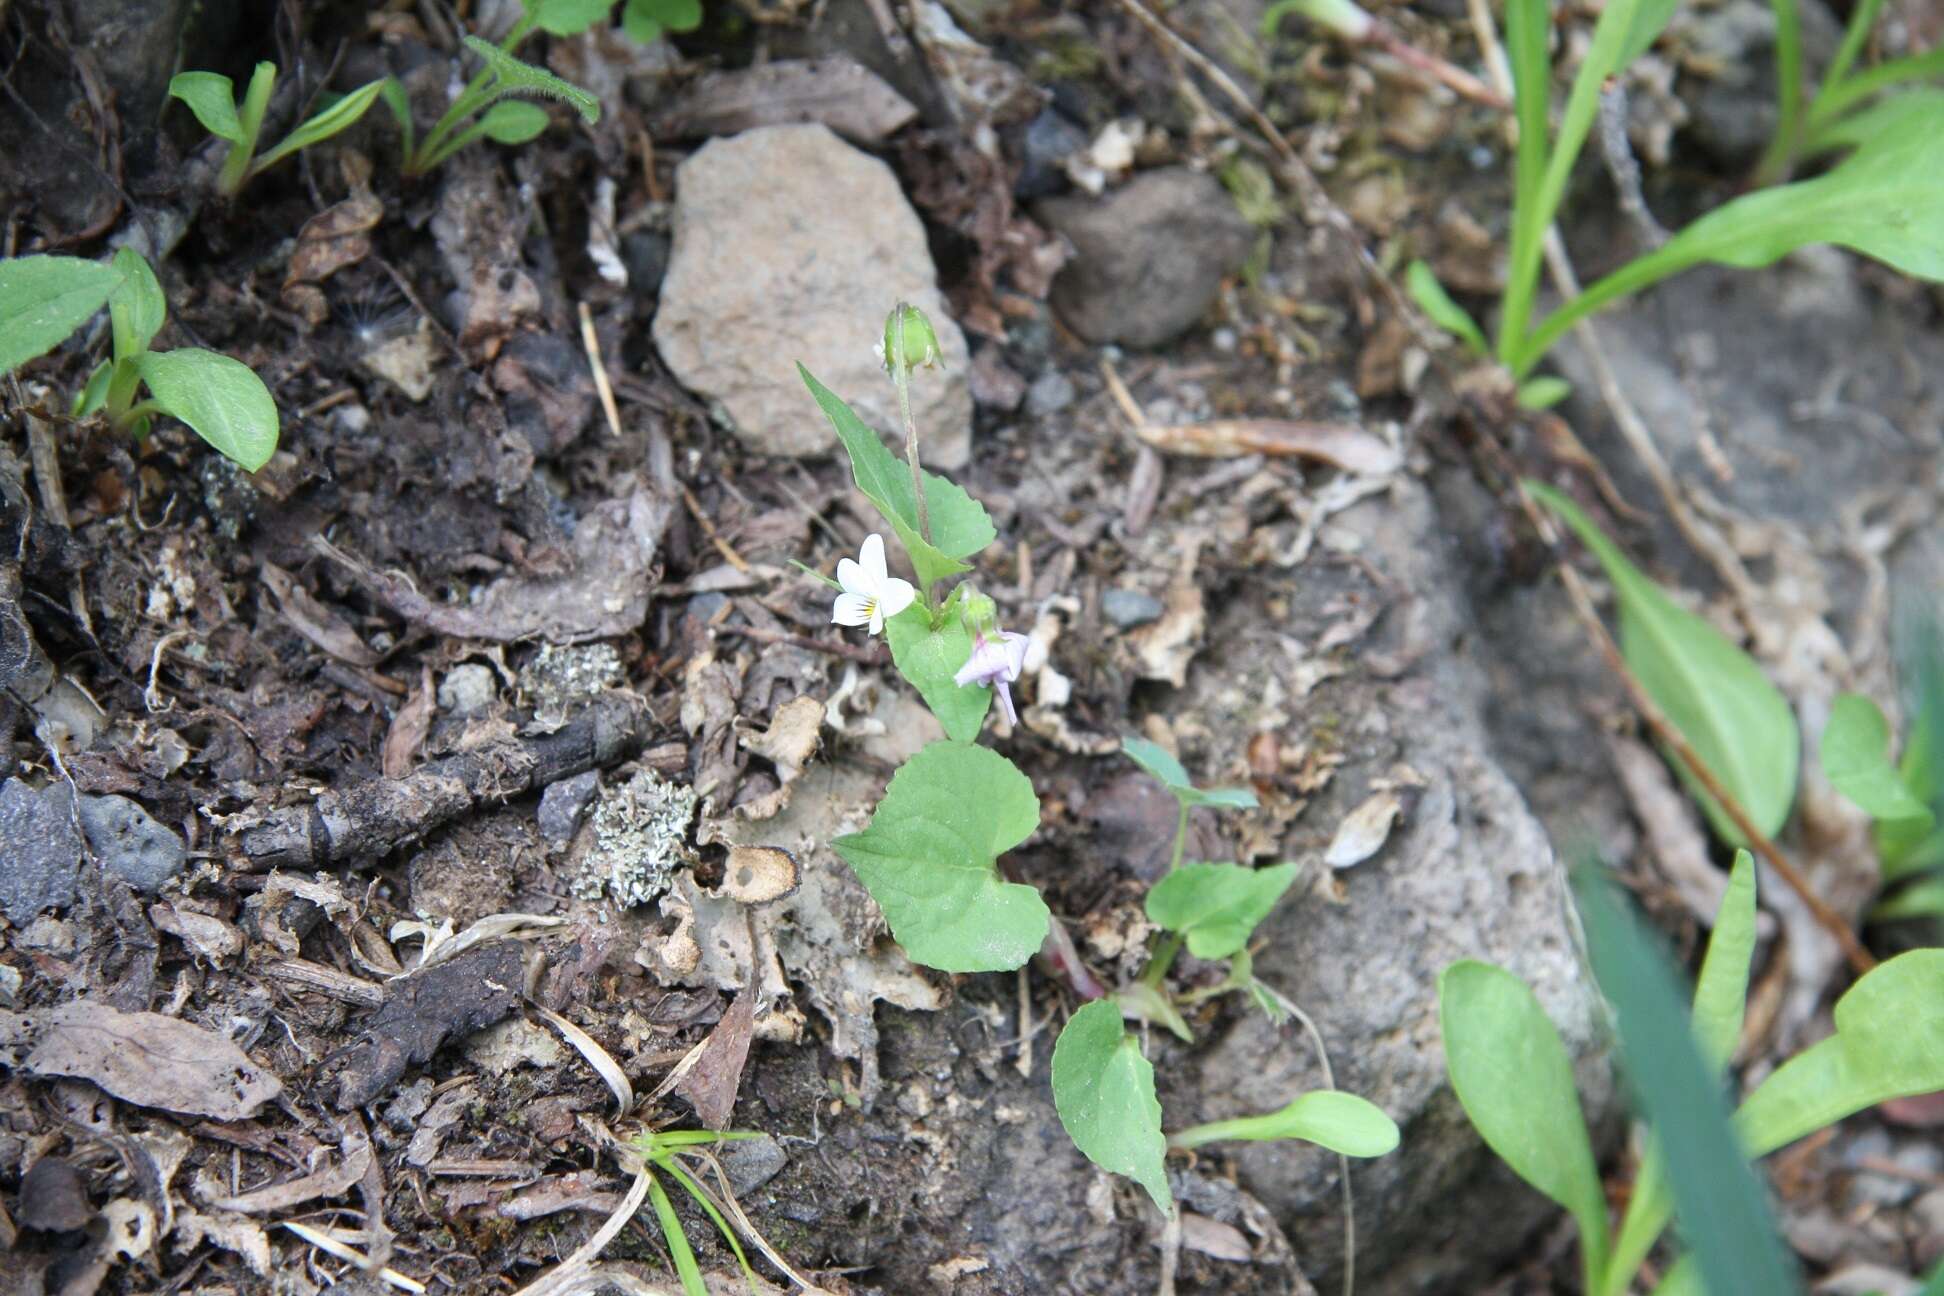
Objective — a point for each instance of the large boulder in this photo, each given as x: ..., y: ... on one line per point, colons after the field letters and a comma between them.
x: 792, y: 246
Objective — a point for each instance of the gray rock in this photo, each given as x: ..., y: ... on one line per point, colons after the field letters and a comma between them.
x: 1050, y: 393
x: 467, y: 688
x: 1732, y: 108
x: 1149, y: 257
x: 564, y: 803
x: 751, y: 1163
x: 790, y: 245
x: 130, y: 844
x: 1128, y: 608
x: 40, y: 851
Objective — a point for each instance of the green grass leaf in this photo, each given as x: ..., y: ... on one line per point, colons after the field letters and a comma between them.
x: 1713, y: 693
x: 212, y: 98
x: 928, y: 659
x: 1217, y: 906
x: 515, y: 77
x: 1889, y: 1043
x: 45, y: 298
x: 1723, y: 1214
x: 1511, y: 1073
x: 221, y: 399
x: 1158, y: 761
x: 929, y: 859
x: 137, y: 307
x: 1855, y: 755
x: 322, y: 125
x: 1341, y: 1122
x: 1434, y: 301
x: 959, y: 524
x: 1103, y: 1090
x: 678, y: 1244
x: 392, y: 92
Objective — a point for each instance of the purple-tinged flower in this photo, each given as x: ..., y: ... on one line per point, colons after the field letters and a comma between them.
x: 871, y: 593
x: 996, y: 662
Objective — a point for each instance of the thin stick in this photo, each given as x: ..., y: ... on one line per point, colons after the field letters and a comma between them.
x: 1290, y: 1006
x: 709, y: 529
x: 592, y: 343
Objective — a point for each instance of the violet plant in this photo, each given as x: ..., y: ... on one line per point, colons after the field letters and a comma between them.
x: 930, y: 853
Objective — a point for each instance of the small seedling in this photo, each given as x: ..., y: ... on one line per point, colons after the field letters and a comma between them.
x: 929, y: 855
x: 212, y: 98
x: 489, y: 106
x: 1513, y: 1077
x: 44, y: 299
x: 665, y: 1150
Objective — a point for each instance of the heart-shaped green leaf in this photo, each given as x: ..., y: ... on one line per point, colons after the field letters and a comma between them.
x: 1160, y: 762
x: 959, y: 525
x: 1217, y: 906
x: 1103, y: 1090
x: 1855, y: 755
x: 1513, y: 1077
x: 1713, y: 693
x: 45, y: 298
x: 929, y: 858
x: 929, y: 659
x: 220, y: 398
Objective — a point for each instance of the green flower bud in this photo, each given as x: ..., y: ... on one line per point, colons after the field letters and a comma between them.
x: 978, y: 612
x: 920, y: 343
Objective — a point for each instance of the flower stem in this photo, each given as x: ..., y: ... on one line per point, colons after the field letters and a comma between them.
x: 1164, y: 957
x: 901, y: 375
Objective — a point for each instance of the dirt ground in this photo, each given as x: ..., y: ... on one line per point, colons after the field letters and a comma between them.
x: 490, y: 637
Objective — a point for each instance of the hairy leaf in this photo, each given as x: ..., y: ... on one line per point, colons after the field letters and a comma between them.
x: 1217, y: 906
x: 45, y: 298
x: 959, y: 525
x: 221, y: 399
x: 929, y: 858
x: 1103, y: 1090
x: 515, y: 77
x: 1724, y: 706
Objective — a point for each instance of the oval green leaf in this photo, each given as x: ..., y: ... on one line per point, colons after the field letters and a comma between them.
x: 1217, y: 906
x: 45, y: 298
x: 511, y: 122
x: 1341, y: 1122
x: 1855, y: 755
x: 221, y: 399
x: 1511, y: 1073
x: 929, y: 858
x: 1103, y: 1090
x: 567, y: 17
x: 137, y: 308
x: 1160, y: 762
x: 1710, y: 690
x: 212, y: 98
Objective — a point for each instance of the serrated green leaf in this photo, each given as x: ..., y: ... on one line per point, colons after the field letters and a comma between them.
x: 928, y: 659
x: 515, y: 77
x: 137, y: 308
x: 1103, y: 1090
x: 212, y: 98
x: 1855, y: 755
x: 929, y: 858
x: 220, y: 398
x: 567, y: 17
x: 1217, y: 906
x: 959, y: 525
x: 1515, y: 1081
x: 1729, y: 712
x: 45, y: 298
x: 1160, y: 762
x: 512, y: 122
x: 1341, y: 1122
x: 322, y: 125
x: 1723, y: 1214
x: 1889, y: 1043
x: 1434, y: 301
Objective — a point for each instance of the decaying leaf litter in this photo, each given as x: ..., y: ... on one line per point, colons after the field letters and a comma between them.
x: 362, y: 692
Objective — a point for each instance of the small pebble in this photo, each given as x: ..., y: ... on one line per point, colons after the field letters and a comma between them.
x: 130, y: 844
x: 1050, y: 393
x: 564, y: 803
x: 1128, y: 608
x: 467, y: 688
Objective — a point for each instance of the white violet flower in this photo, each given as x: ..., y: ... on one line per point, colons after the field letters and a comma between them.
x: 996, y: 662
x: 871, y: 593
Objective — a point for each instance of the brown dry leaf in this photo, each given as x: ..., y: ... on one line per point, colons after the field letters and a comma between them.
x: 209, y: 937
x: 313, y: 620
x: 711, y: 1083
x: 336, y: 1176
x: 759, y: 874
x: 1364, y: 830
x: 230, y: 1232
x: 336, y: 237
x: 1341, y: 445
x: 409, y: 727
x: 152, y: 1061
x: 1214, y: 1238
x: 1163, y: 648
x: 844, y: 95
x: 789, y: 743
